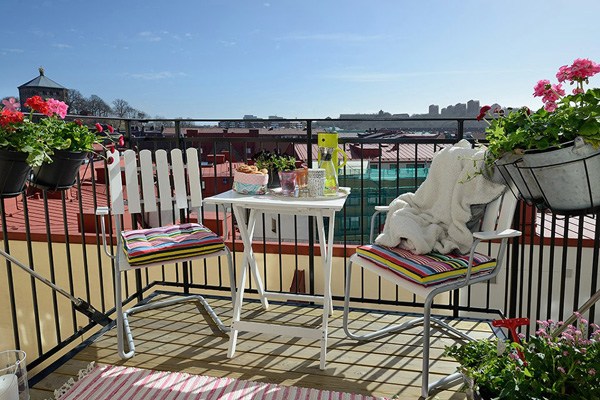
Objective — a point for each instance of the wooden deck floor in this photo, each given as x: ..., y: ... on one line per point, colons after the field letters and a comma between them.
x: 179, y: 339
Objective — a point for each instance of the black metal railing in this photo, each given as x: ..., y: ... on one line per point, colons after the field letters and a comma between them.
x: 57, y: 235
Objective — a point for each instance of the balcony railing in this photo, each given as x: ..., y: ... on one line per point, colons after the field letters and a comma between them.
x: 550, y: 271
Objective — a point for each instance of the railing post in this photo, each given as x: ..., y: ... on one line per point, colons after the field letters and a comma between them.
x: 180, y: 143
x: 311, y: 221
x: 461, y: 130
x: 513, y: 272
x: 128, y: 133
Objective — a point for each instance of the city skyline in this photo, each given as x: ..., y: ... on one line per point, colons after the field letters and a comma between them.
x: 226, y: 59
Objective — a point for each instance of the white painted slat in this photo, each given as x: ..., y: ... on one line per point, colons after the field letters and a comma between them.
x: 132, y: 182
x: 178, y: 170
x: 147, y: 176
x: 164, y: 183
x: 490, y: 217
x: 116, y: 185
x: 508, y: 210
x: 193, y: 169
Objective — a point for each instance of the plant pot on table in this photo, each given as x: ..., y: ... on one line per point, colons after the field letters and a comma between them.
x: 14, y: 171
x: 61, y: 173
x: 564, y: 179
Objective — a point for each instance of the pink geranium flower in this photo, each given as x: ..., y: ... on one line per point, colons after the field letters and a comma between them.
x: 11, y: 104
x: 57, y: 107
x: 577, y: 73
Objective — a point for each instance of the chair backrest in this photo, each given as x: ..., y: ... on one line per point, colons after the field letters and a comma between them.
x: 499, y: 213
x: 165, y: 184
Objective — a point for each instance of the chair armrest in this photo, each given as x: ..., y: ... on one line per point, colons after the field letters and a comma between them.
x: 102, y: 211
x: 490, y: 235
x: 378, y: 210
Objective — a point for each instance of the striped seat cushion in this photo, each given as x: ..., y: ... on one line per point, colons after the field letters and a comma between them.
x: 143, y: 246
x: 425, y: 269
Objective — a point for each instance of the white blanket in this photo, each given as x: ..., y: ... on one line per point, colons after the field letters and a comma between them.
x: 435, y: 216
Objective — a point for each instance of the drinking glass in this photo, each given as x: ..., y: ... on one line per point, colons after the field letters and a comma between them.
x: 302, y: 181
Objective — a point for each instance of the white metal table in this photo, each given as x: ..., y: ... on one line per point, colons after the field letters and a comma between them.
x: 256, y: 204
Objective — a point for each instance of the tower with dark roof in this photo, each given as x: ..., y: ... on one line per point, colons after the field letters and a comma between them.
x: 44, y: 87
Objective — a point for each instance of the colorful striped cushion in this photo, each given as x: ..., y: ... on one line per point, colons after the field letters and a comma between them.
x: 144, y: 246
x: 425, y: 269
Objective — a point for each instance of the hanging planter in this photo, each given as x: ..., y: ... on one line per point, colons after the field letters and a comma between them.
x: 564, y: 179
x: 553, y: 153
x: 61, y: 173
x: 14, y: 171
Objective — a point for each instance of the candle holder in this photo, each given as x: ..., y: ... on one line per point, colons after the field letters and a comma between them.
x: 13, y: 375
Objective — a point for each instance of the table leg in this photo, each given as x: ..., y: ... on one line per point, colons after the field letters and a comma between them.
x: 326, y: 245
x: 247, y: 233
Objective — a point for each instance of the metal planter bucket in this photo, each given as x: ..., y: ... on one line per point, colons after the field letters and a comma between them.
x: 14, y: 171
x: 568, y: 178
x: 61, y: 174
x: 520, y: 178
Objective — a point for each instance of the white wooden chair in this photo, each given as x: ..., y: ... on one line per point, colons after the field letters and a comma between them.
x: 429, y: 275
x: 177, y: 184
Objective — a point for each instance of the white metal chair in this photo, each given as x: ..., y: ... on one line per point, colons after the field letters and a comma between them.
x: 429, y: 275
x: 177, y: 184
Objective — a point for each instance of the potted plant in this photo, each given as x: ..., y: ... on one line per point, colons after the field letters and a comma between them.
x: 53, y: 147
x: 552, y: 155
x: 286, y: 167
x: 547, y: 366
x: 276, y: 163
x: 19, y: 149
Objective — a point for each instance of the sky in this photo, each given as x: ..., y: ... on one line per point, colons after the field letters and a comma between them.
x: 295, y: 58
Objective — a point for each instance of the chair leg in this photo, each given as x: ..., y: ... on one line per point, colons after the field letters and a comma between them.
x: 427, y: 319
x: 123, y: 330
x: 373, y: 335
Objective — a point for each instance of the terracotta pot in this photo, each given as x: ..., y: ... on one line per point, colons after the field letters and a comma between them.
x: 61, y: 173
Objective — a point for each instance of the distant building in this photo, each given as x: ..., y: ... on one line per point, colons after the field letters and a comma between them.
x: 44, y: 87
x: 473, y: 108
x: 434, y: 110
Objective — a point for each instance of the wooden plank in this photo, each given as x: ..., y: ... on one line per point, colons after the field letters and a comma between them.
x: 179, y: 338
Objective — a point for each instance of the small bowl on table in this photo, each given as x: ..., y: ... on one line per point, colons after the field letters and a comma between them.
x: 245, y: 183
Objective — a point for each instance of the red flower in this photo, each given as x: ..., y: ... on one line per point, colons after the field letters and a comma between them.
x: 99, y: 128
x: 110, y: 128
x: 121, y: 140
x: 36, y: 103
x: 10, y: 117
x: 482, y: 112
x: 78, y: 122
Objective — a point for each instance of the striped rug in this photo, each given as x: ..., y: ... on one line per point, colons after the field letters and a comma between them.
x: 126, y: 383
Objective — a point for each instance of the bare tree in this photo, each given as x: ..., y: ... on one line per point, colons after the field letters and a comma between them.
x: 120, y: 108
x: 76, y: 102
x: 99, y: 107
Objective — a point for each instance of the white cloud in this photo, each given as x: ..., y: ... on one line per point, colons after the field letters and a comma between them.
x: 61, y: 46
x: 227, y: 43
x: 149, y: 36
x: 154, y: 76
x: 335, y: 37
x: 14, y: 51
